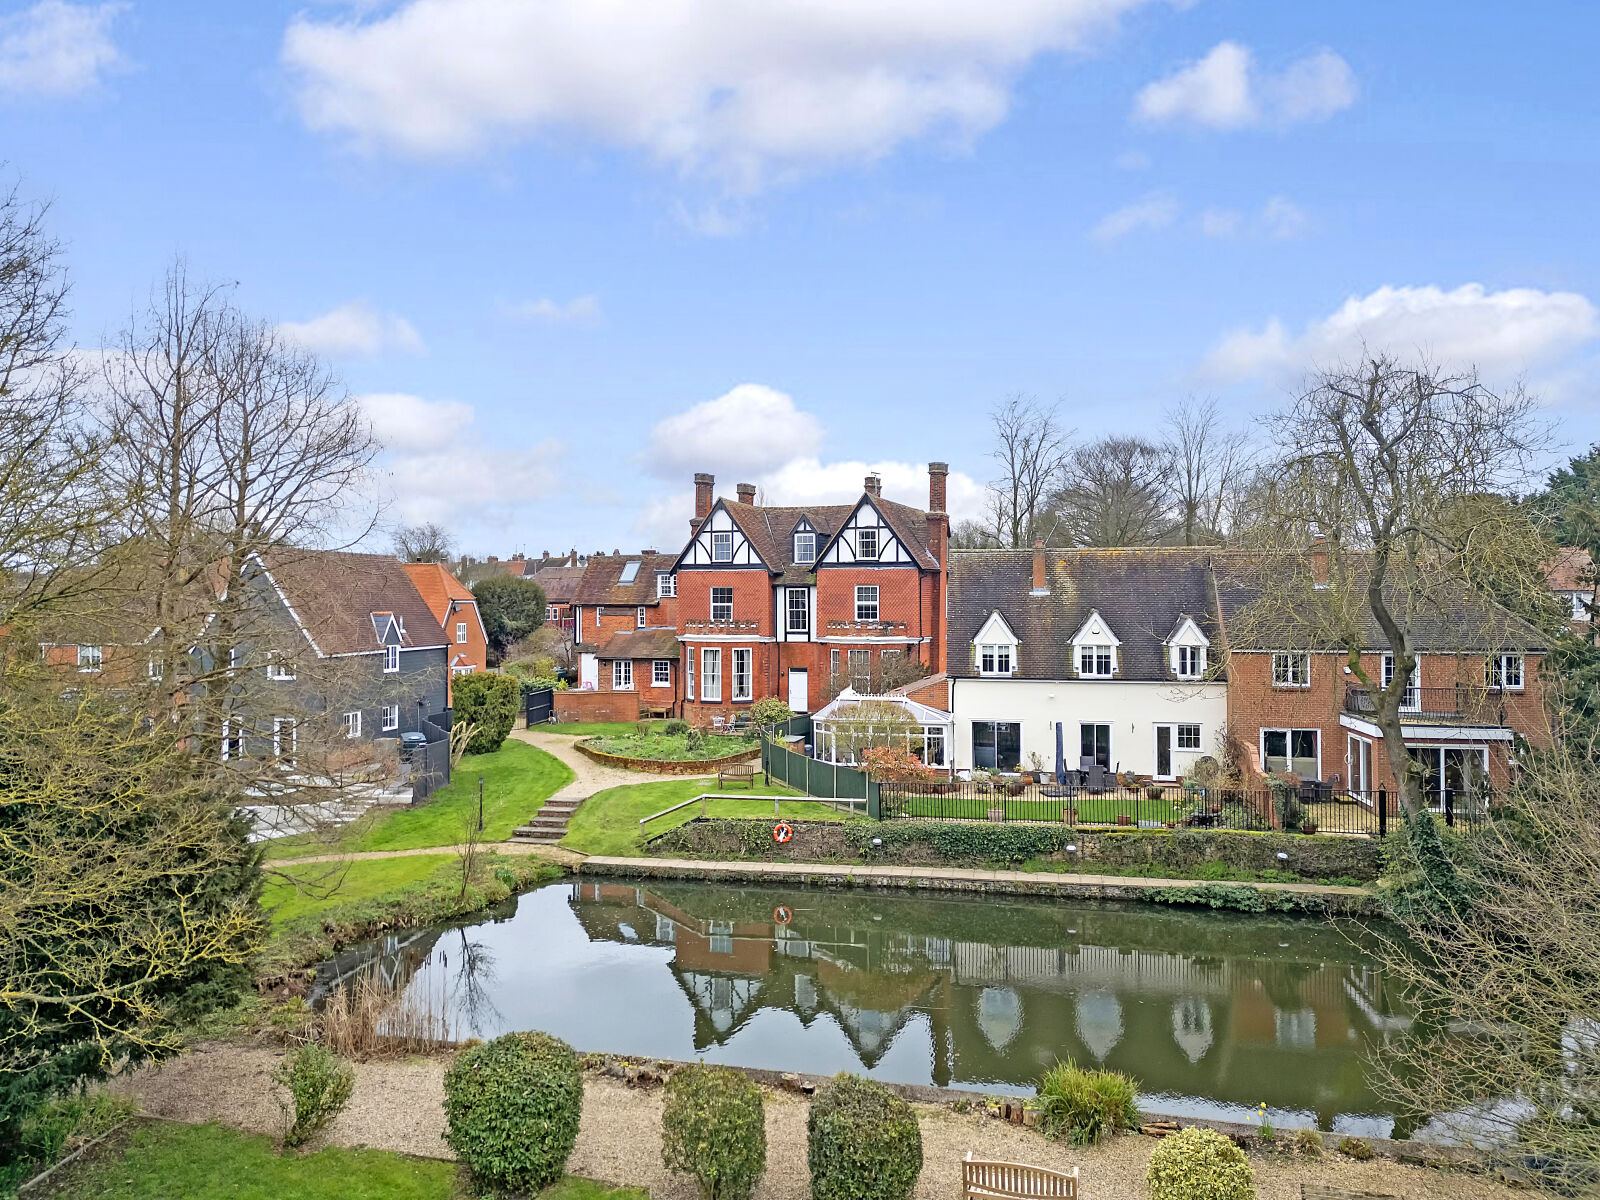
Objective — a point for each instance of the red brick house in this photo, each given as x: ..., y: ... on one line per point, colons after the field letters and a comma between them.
x: 456, y: 610
x: 1295, y: 705
x: 799, y: 602
x: 644, y: 664
x: 620, y: 593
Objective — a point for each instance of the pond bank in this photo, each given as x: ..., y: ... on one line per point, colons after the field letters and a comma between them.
x: 1263, y: 897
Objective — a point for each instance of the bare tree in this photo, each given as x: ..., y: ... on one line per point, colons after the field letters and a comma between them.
x: 425, y: 543
x: 1029, y: 444
x: 1208, y: 466
x: 1115, y: 492
x: 1399, y: 470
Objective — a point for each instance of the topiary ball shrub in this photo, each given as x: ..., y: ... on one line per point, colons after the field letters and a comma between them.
x: 1086, y: 1106
x: 712, y: 1129
x: 319, y: 1084
x: 512, y: 1107
x: 491, y: 702
x: 1200, y: 1164
x: 864, y: 1142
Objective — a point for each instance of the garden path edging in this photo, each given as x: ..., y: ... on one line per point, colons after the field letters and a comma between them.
x: 661, y: 766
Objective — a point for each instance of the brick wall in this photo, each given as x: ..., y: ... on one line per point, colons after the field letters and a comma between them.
x: 596, y: 706
x: 644, y: 688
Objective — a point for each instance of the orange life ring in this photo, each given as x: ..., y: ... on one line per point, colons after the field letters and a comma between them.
x: 782, y: 832
x: 782, y: 915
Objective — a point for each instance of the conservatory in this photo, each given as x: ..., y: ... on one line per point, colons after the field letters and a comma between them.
x: 853, y: 724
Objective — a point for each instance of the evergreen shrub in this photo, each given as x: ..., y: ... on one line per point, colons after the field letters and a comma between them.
x: 491, y: 702
x: 864, y: 1142
x: 512, y: 1107
x: 319, y: 1084
x: 712, y: 1129
x: 1199, y: 1164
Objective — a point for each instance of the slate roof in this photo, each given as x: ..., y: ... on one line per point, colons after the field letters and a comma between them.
x: 770, y: 531
x: 334, y: 594
x: 640, y: 643
x: 1142, y: 594
x: 1448, y: 623
x: 602, y: 579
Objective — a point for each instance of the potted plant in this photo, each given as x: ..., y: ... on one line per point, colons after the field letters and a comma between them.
x: 1124, y: 819
x: 1152, y: 792
x: 1069, y: 816
x: 1308, y: 826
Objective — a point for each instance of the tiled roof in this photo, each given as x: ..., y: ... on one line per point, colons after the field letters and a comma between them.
x: 560, y: 584
x: 334, y: 594
x: 770, y: 531
x: 640, y: 643
x: 1142, y: 595
x: 437, y: 586
x: 602, y: 579
x: 1570, y: 571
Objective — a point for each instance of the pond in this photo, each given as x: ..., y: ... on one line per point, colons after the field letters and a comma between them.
x: 1213, y: 1013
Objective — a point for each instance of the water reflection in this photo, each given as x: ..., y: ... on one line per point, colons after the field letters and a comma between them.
x: 1213, y: 1013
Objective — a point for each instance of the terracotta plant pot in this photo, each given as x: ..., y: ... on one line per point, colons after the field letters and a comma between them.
x: 1308, y: 827
x: 1069, y: 816
x: 1124, y: 819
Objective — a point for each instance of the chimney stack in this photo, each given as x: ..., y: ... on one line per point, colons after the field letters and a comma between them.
x: 1040, y: 588
x: 703, y: 484
x: 937, y: 473
x: 874, y: 487
x: 1319, y: 561
x: 747, y: 493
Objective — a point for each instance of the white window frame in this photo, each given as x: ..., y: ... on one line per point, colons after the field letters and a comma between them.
x: 1194, y: 668
x: 391, y: 659
x: 622, y: 675
x: 666, y: 585
x: 721, y: 545
x: 1411, y: 699
x: 867, y: 609
x: 154, y: 670
x: 862, y: 673
x: 744, y: 673
x: 1284, y: 664
x: 1288, y: 745
x: 279, y: 724
x: 711, y: 675
x: 1498, y: 674
x: 688, y: 674
x: 871, y: 532
x: 91, y: 659
x: 391, y: 718
x: 640, y: 617
x: 804, y: 610
x: 810, y: 540
x: 461, y: 633
x: 996, y: 658
x: 352, y: 724
x: 1178, y: 742
x: 715, y: 604
x: 1093, y: 656
x: 661, y: 672
x: 551, y: 613
x: 275, y: 669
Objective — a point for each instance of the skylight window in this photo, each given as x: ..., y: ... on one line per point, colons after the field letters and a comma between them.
x: 630, y: 572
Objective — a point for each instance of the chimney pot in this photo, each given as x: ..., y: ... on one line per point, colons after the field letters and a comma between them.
x: 874, y: 486
x: 747, y: 493
x: 1040, y: 588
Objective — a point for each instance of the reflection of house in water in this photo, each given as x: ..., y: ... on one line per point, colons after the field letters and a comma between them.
x: 1245, y: 1012
x: 395, y: 957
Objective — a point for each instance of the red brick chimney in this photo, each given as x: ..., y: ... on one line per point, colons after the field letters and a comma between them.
x: 937, y: 473
x: 703, y: 484
x: 1040, y: 587
x: 747, y: 493
x: 874, y: 487
x: 1319, y: 561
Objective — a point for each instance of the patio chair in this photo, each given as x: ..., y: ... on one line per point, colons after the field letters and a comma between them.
x: 1097, y: 780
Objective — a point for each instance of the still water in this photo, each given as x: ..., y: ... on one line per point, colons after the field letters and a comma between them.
x: 1213, y: 1013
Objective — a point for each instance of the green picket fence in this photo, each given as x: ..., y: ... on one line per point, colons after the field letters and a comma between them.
x: 825, y: 781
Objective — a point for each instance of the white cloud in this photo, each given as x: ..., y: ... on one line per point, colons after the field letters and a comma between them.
x: 1283, y: 218
x: 739, y: 90
x: 57, y: 49
x: 437, y: 468
x: 1280, y: 218
x: 747, y: 431
x: 1220, y: 222
x: 580, y: 310
x: 1224, y: 90
x: 1155, y: 211
x: 1502, y: 333
x: 354, y: 329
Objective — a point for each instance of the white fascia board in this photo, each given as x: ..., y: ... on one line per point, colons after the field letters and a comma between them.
x: 996, y: 631
x: 1105, y: 637
x: 283, y: 598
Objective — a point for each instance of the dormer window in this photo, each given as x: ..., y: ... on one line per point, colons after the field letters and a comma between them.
x: 994, y: 659
x: 867, y: 543
x: 1188, y: 662
x: 722, y: 546
x: 391, y: 659
x: 1097, y: 662
x: 805, y: 547
x: 666, y: 584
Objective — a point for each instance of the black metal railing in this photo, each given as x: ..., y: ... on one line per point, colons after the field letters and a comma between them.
x: 430, y: 761
x: 1463, y: 704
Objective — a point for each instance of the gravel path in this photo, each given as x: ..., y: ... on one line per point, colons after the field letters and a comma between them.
x: 591, y: 777
x: 399, y: 1106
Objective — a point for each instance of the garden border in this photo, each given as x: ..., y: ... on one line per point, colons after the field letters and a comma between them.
x: 664, y: 766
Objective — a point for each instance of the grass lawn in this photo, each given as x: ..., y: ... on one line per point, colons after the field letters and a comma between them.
x: 608, y: 822
x: 363, y: 879
x: 674, y: 748
x: 1092, y: 810
x: 597, y: 728
x: 159, y: 1161
x: 517, y: 780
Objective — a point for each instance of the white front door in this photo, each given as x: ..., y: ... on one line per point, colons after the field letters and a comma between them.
x: 799, y: 682
x: 588, y: 672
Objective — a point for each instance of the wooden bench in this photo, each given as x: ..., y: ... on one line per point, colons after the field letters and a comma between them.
x: 744, y: 773
x: 983, y: 1180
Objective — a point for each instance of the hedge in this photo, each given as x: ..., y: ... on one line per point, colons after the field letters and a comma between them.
x: 491, y: 702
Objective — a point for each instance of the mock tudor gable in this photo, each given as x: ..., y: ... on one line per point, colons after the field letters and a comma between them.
x: 719, y: 542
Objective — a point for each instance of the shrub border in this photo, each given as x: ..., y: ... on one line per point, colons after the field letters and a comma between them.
x: 663, y: 766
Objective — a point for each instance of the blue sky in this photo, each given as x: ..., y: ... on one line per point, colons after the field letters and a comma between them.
x: 567, y: 252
